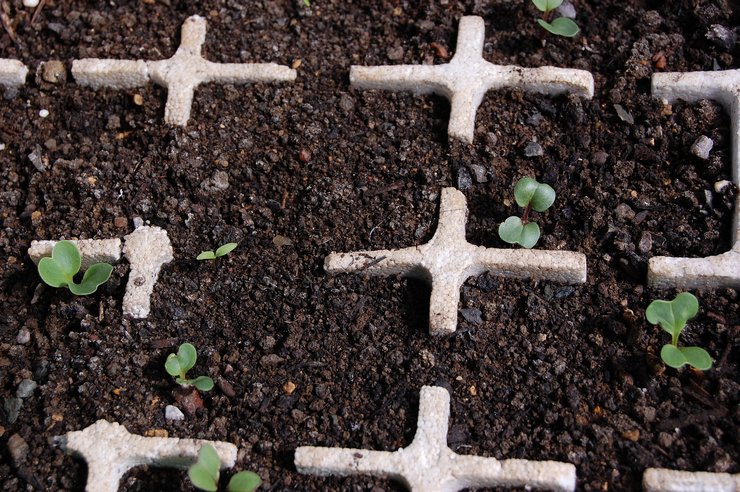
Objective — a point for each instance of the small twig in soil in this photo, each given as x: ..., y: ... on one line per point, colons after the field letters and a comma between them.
x: 38, y: 10
x: 8, y: 25
x: 372, y: 263
x: 383, y: 221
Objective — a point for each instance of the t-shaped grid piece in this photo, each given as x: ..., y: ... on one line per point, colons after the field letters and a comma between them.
x: 714, y: 271
x: 110, y: 451
x: 448, y: 260
x: 181, y: 74
x: 465, y: 80
x: 428, y: 465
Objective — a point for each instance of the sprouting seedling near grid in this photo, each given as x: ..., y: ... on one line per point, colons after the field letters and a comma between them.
x: 221, y: 251
x: 672, y: 317
x: 65, y: 262
x: 204, y: 474
x: 562, y: 26
x: 178, y: 365
x: 530, y: 195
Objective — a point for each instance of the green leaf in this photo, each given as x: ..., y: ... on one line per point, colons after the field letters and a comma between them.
x: 672, y: 356
x: 244, y: 481
x: 52, y: 274
x: 172, y: 365
x: 67, y: 256
x: 672, y: 315
x: 547, y: 5
x: 95, y: 276
x: 208, y: 457
x: 513, y: 231
x: 562, y: 26
x: 697, y: 357
x: 530, y: 235
x: 226, y: 249
x: 202, y: 478
x: 203, y: 383
x: 543, y: 197
x: 206, y: 255
x: 524, y: 191
x: 187, y: 356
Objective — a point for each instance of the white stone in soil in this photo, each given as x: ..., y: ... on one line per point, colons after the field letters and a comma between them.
x: 428, y: 465
x: 447, y: 260
x: 147, y: 249
x: 110, y: 451
x: 702, y: 146
x: 714, y: 271
x: 91, y: 250
x: 465, y: 80
x: 663, y: 480
x: 181, y: 74
x: 171, y: 412
x: 12, y: 73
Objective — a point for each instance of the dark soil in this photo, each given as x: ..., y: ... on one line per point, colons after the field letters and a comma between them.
x: 552, y: 372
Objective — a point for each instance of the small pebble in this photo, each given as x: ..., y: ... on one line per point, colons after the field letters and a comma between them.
x: 304, y: 155
x: 138, y: 99
x: 289, y: 387
x: 171, y: 412
x: 44, y: 113
x: 472, y: 315
x: 533, y: 149
x: 18, y: 448
x: 722, y: 36
x: 720, y: 186
x: 464, y: 180
x: 566, y: 9
x: 25, y: 389
x: 23, y: 337
x: 225, y: 387
x: 624, y: 114
x: 646, y: 242
x: 138, y: 222
x: 479, y: 172
x: 600, y: 158
x: 120, y: 222
x: 12, y: 407
x: 624, y: 212
x: 702, y: 146
x: 30, y: 3
x: 53, y: 71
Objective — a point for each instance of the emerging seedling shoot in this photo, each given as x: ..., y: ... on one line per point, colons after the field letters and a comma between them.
x: 212, y: 255
x: 672, y: 317
x: 65, y: 261
x: 178, y: 365
x: 530, y: 195
x: 204, y: 474
x: 562, y: 26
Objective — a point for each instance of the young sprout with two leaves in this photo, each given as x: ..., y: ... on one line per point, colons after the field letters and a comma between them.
x: 65, y: 262
x: 562, y: 26
x: 178, y: 365
x: 204, y: 474
x: 672, y: 317
x: 212, y: 255
x: 530, y: 195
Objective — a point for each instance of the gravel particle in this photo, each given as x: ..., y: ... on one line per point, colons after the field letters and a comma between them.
x: 12, y: 407
x: 23, y: 337
x: 37, y: 159
x: 479, y: 172
x: 646, y: 242
x: 566, y: 9
x: 225, y: 387
x: 533, y: 149
x: 25, y: 388
x: 171, y: 412
x: 702, y: 146
x: 44, y: 113
x: 624, y: 114
x: 600, y: 158
x: 18, y: 448
x: 624, y: 212
x: 31, y: 3
x: 395, y: 53
x: 120, y: 222
x: 464, y: 180
x: 722, y: 36
x: 53, y: 71
x: 472, y: 315
x: 720, y: 186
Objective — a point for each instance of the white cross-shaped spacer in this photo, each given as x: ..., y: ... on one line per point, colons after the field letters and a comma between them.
x: 721, y: 270
x: 468, y: 76
x: 181, y: 74
x: 110, y: 451
x: 448, y: 260
x: 428, y: 465
x: 663, y: 480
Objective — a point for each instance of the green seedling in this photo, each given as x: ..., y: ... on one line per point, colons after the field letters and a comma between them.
x: 672, y: 317
x: 204, y: 474
x: 562, y: 26
x: 178, y: 365
x: 530, y: 195
x: 212, y: 255
x: 65, y: 261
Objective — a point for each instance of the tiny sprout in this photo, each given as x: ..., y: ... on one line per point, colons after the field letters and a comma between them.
x: 64, y: 264
x: 562, y: 26
x: 672, y: 317
x: 212, y: 255
x: 530, y: 195
x: 178, y: 365
x: 204, y: 474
